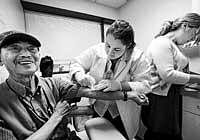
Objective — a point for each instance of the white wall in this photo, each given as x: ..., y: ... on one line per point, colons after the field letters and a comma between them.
x: 11, y: 15
x: 83, y: 6
x: 196, y: 6
x: 146, y: 16
x: 62, y: 37
x: 194, y: 65
x: 11, y: 18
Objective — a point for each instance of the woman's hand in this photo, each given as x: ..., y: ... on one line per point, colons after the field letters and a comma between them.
x: 85, y: 80
x: 108, y: 85
x: 140, y: 99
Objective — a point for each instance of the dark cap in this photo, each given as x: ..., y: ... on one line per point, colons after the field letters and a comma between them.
x: 10, y: 37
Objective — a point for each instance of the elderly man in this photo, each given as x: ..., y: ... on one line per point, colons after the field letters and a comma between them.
x: 32, y: 107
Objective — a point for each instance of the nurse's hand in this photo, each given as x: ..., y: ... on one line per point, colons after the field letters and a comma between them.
x: 108, y: 85
x: 85, y: 80
x: 140, y: 99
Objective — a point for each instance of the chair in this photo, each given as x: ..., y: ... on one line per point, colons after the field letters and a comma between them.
x: 101, y: 129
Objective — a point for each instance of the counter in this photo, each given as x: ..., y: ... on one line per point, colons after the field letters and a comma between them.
x: 191, y: 112
x: 192, y: 90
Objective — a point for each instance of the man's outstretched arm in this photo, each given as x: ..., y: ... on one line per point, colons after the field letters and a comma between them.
x: 139, y: 98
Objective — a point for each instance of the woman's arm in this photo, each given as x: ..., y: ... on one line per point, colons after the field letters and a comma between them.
x: 194, y: 78
x: 140, y: 74
x: 163, y: 52
x: 82, y: 63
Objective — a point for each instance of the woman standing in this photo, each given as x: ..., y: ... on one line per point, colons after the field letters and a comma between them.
x: 116, y: 65
x: 163, y: 115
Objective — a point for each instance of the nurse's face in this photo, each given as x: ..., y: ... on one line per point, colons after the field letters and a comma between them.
x: 114, y: 47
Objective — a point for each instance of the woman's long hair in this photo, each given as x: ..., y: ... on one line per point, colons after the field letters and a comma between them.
x: 192, y: 19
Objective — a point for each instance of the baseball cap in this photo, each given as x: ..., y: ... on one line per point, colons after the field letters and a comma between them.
x: 10, y: 37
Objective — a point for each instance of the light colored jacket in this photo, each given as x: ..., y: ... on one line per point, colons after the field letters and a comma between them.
x: 133, y: 67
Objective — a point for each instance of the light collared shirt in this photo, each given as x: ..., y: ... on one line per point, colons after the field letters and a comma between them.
x: 22, y: 122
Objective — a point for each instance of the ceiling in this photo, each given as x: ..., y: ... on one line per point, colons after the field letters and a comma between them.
x: 111, y: 3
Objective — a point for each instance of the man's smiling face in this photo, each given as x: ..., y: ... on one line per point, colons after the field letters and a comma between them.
x: 20, y: 58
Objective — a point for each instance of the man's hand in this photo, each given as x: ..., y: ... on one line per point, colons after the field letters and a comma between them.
x: 108, y: 85
x: 63, y: 109
x: 85, y: 80
x: 140, y: 99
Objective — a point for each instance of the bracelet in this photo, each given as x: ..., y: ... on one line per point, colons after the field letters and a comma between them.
x: 125, y: 95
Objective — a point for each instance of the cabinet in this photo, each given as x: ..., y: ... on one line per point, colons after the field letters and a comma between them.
x: 191, y: 126
x: 191, y: 116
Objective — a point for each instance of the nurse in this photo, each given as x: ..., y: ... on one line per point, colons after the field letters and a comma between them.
x: 163, y: 115
x: 116, y: 65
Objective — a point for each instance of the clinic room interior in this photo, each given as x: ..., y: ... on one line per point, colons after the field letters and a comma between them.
x: 68, y: 27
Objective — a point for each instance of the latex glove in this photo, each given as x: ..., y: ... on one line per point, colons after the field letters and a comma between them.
x: 85, y: 80
x: 108, y: 85
x: 140, y: 99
